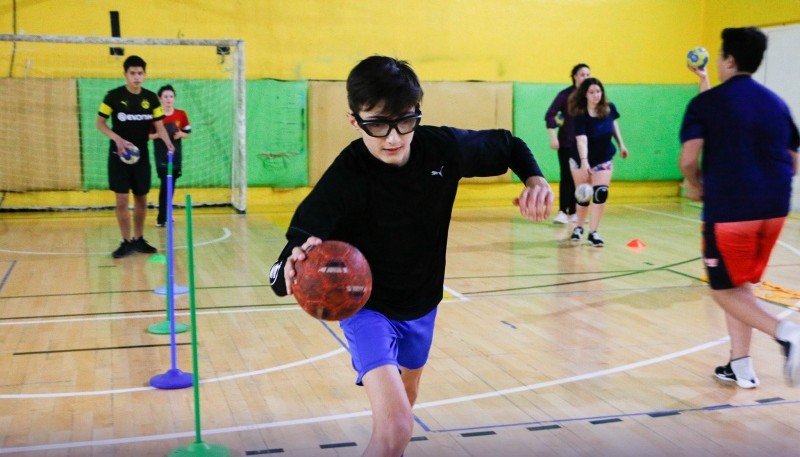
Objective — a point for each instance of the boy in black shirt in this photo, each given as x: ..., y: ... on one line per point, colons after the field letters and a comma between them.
x: 392, y: 199
x: 133, y: 110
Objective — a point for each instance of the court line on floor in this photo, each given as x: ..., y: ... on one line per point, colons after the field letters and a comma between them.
x: 226, y: 233
x: 367, y: 413
x: 661, y: 213
x: 334, y: 417
x: 459, y: 296
x: 152, y: 315
x: 285, y: 366
x: 783, y: 244
x: 13, y: 264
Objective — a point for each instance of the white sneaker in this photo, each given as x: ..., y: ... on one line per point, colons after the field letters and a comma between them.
x: 572, y: 218
x: 788, y: 335
x: 739, y: 371
x: 561, y: 218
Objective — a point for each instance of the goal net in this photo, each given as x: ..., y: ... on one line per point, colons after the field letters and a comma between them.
x: 53, y: 157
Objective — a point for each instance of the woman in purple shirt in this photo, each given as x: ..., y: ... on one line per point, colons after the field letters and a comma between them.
x: 563, y: 141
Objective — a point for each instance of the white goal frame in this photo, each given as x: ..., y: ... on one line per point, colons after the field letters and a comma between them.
x: 236, y: 49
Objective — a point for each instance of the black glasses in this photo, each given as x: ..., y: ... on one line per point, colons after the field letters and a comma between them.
x: 380, y: 128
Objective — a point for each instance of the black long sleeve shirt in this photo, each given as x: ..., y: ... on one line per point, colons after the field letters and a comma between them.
x: 399, y: 217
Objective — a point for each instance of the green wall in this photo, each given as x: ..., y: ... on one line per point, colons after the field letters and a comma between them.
x: 277, y: 129
x: 277, y: 133
x: 650, y: 116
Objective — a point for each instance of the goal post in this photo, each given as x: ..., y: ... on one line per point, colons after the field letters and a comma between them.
x: 53, y: 157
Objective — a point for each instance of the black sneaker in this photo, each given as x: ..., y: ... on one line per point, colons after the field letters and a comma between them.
x: 141, y: 245
x: 726, y: 375
x: 577, y: 233
x: 595, y: 239
x: 125, y: 249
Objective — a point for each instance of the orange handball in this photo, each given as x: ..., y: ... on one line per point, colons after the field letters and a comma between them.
x: 333, y: 282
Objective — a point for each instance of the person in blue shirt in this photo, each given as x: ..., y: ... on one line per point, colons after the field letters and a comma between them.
x: 595, y: 124
x: 390, y: 194
x: 738, y: 156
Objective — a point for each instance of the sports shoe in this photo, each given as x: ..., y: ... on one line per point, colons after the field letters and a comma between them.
x: 125, y: 249
x: 595, y: 239
x: 163, y: 224
x: 725, y: 374
x: 577, y: 233
x: 561, y: 218
x: 788, y: 335
x: 572, y: 218
x: 141, y: 245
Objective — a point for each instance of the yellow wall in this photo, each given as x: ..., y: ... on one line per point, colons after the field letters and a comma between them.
x: 625, y: 41
x: 719, y: 14
x: 739, y: 13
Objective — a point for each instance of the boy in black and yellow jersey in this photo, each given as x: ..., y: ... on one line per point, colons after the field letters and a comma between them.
x: 132, y: 110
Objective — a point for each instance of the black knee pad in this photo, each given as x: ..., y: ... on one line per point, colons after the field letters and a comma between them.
x: 600, y: 194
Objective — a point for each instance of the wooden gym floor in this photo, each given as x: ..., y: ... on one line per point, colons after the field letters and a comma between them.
x: 542, y: 347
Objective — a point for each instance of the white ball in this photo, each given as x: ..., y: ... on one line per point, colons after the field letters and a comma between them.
x: 131, y: 154
x: 697, y: 57
x: 583, y: 193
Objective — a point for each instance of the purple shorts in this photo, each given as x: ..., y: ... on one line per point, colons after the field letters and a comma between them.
x: 375, y: 340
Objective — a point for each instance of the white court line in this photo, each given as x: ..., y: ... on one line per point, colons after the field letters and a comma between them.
x: 203, y: 381
x: 660, y: 213
x: 431, y: 404
x: 455, y: 294
x: 312, y: 420
x: 146, y: 316
x: 334, y: 417
x: 783, y: 244
x: 789, y: 247
x: 225, y: 234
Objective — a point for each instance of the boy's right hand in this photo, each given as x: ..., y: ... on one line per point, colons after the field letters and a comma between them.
x: 298, y: 255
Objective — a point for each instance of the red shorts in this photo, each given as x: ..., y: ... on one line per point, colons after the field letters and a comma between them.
x: 738, y: 252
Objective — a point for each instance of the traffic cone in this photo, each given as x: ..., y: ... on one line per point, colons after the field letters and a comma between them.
x: 636, y: 244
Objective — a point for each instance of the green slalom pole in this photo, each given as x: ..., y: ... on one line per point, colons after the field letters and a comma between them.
x: 198, y: 447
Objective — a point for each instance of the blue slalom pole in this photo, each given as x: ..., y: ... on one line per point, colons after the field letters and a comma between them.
x: 173, y: 378
x: 169, y: 326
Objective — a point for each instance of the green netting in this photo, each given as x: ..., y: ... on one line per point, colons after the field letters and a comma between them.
x: 206, y: 154
x: 277, y: 148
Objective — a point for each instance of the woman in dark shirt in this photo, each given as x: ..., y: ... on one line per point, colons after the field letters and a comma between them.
x: 595, y: 123
x: 563, y: 141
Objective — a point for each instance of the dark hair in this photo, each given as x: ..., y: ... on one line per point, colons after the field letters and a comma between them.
x: 383, y: 80
x: 575, y: 71
x: 166, y: 87
x: 577, y: 100
x: 134, y: 61
x: 746, y: 45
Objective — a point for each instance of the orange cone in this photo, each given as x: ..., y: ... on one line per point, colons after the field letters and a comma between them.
x: 636, y: 244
